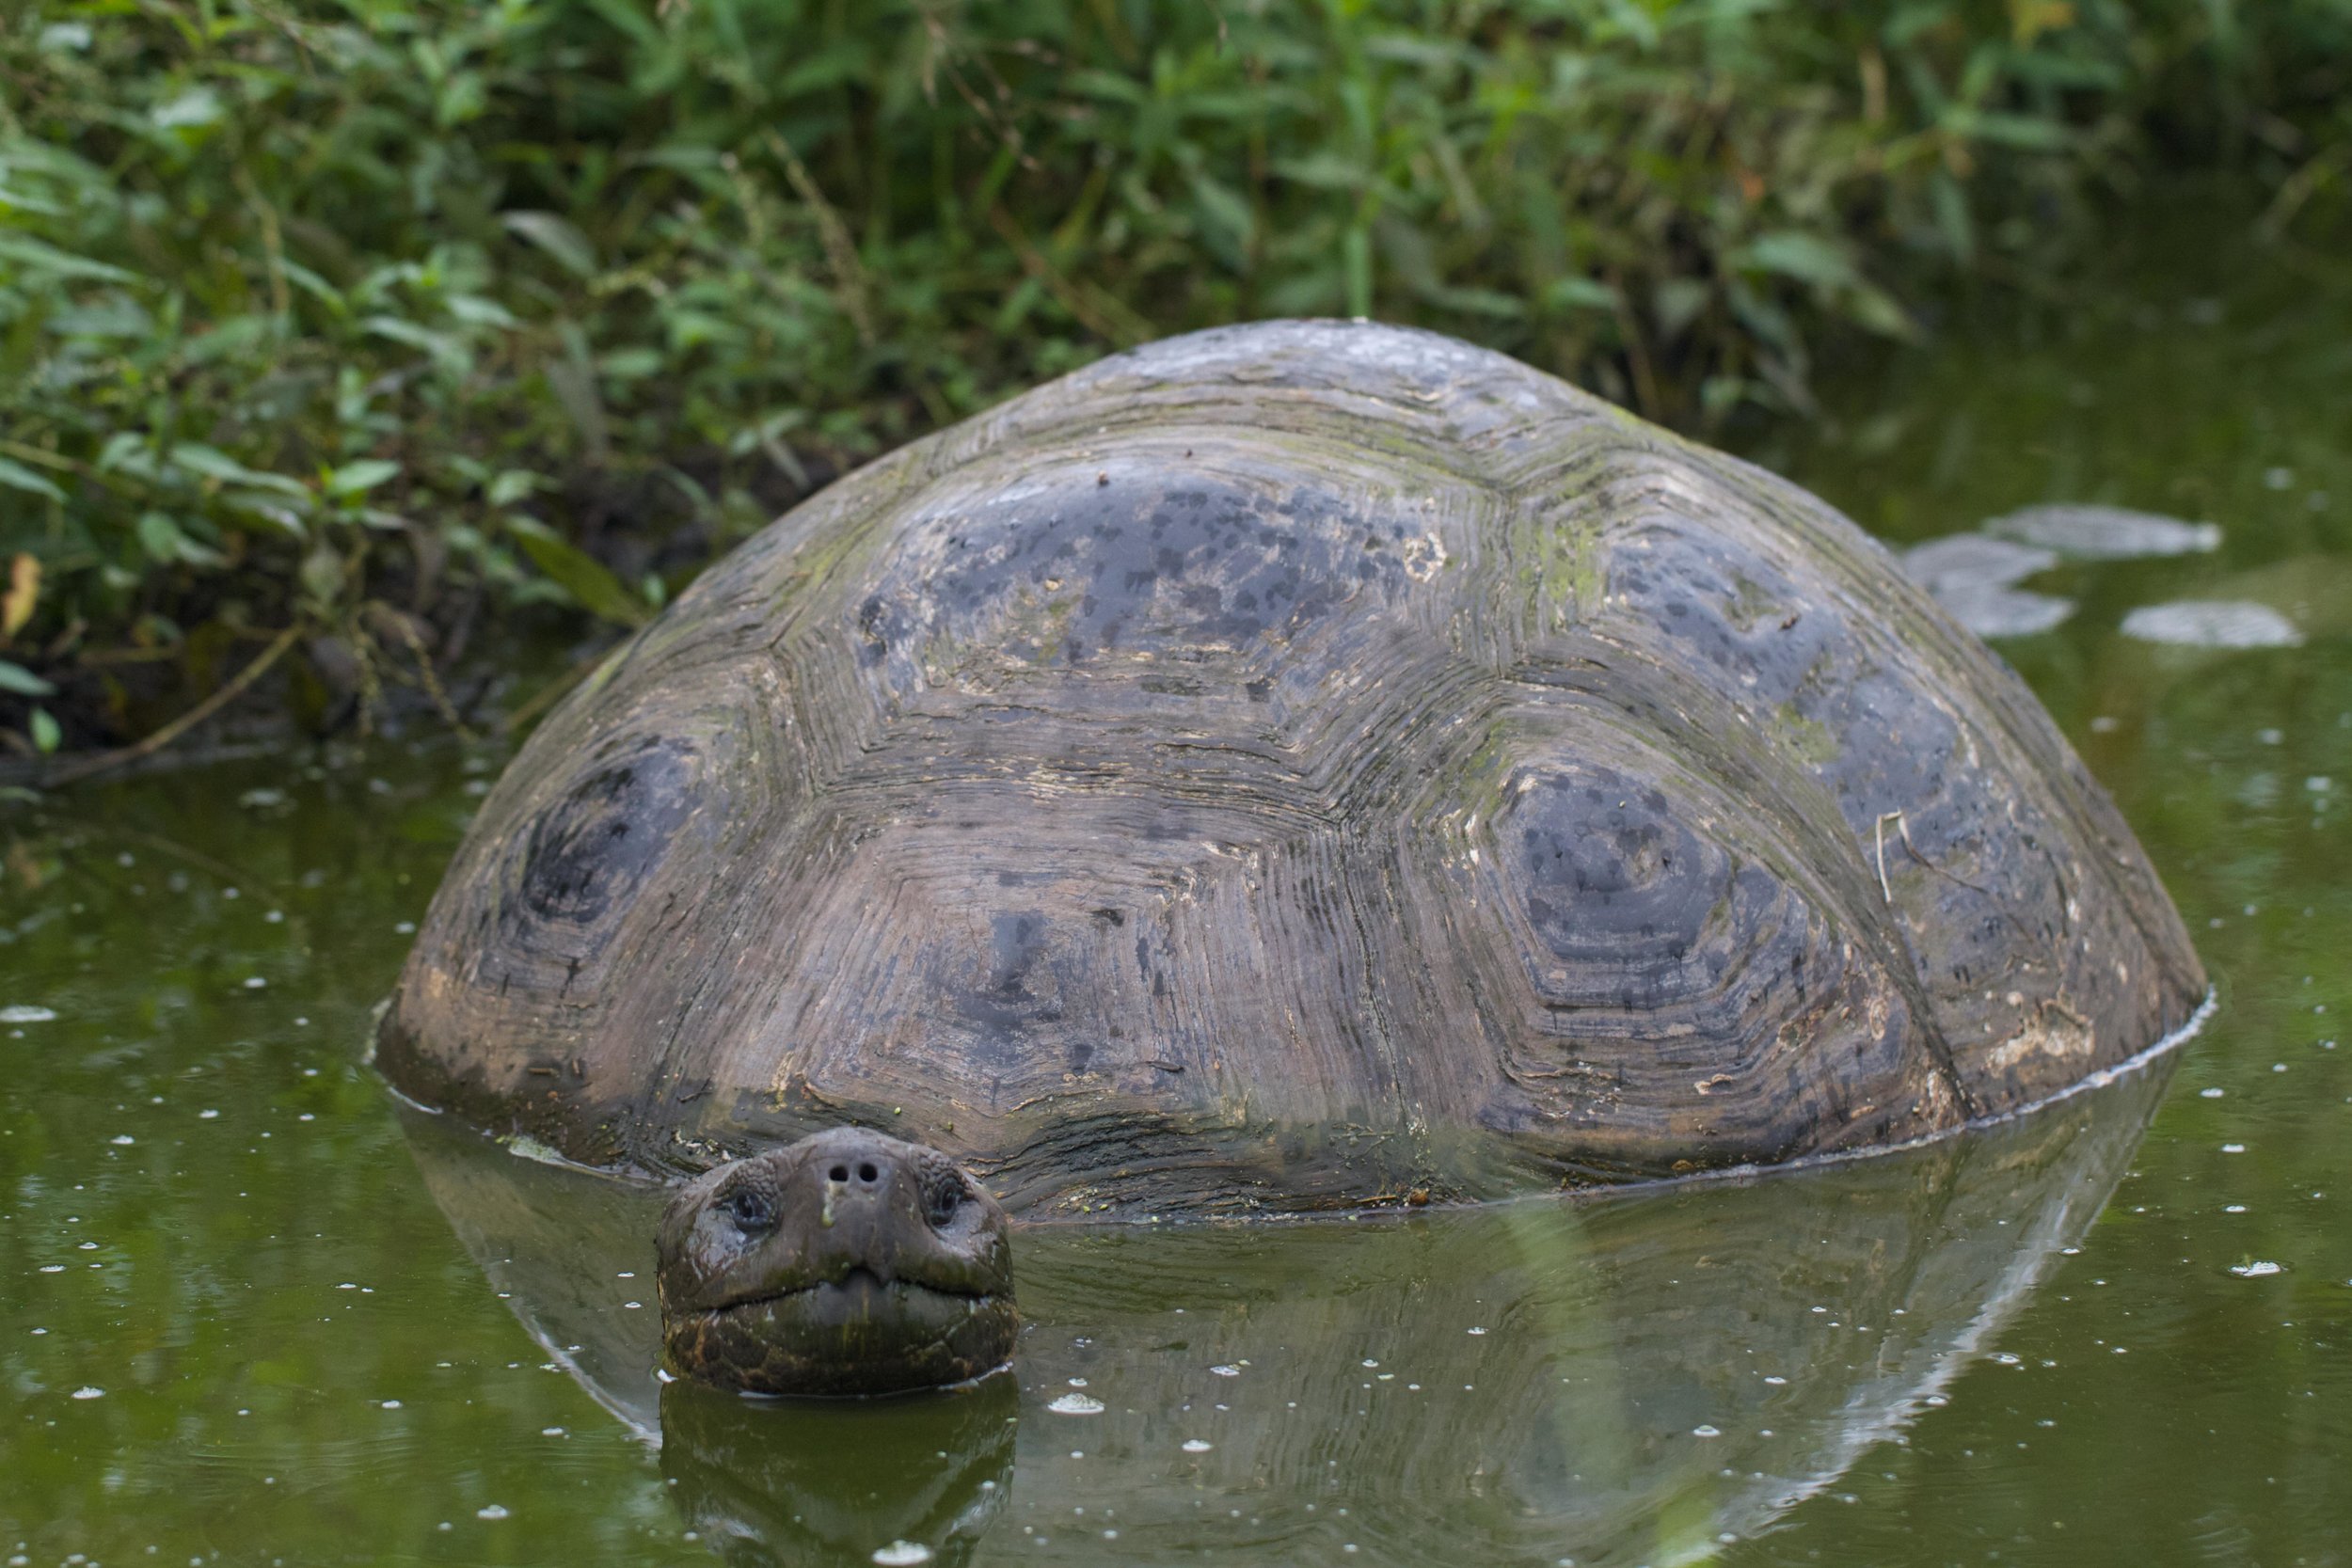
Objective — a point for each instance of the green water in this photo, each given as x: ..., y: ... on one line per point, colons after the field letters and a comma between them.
x: 252, y: 1313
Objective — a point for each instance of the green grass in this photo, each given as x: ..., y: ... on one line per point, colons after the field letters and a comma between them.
x: 357, y: 321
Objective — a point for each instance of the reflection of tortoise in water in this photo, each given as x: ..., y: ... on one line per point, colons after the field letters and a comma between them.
x: 1294, y: 766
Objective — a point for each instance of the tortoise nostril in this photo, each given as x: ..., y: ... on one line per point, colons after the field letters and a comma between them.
x: 867, y: 1173
x: 839, y: 1173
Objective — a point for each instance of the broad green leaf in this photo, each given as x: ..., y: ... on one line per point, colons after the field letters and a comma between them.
x: 557, y: 237
x: 579, y: 573
x: 511, y: 485
x: 272, y: 509
x: 213, y: 462
x: 1793, y: 253
x: 16, y: 476
x: 445, y: 350
x: 474, y: 311
x: 322, y: 573
x: 160, y: 536
x: 1580, y: 293
x: 358, y: 478
x: 1677, y: 302
x: 16, y: 678
x: 197, y: 106
x: 45, y: 732
x: 40, y: 256
x: 1877, y: 311
x: 1480, y: 302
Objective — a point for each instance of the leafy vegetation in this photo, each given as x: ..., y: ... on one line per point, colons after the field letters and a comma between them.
x: 329, y: 326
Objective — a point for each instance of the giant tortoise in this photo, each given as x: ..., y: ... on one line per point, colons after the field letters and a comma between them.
x: 1298, y: 766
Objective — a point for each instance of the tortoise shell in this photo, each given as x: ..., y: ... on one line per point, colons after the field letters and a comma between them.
x: 1293, y: 765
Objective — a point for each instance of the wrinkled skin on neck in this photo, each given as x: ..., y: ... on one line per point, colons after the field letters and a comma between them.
x: 846, y: 1263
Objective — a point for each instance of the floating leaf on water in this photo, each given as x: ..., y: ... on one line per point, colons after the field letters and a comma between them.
x: 2260, y: 1269
x: 1963, y: 559
x: 1076, y: 1405
x: 1990, y: 610
x: 2212, y: 623
x: 1970, y: 575
x: 21, y: 1014
x: 2105, y: 532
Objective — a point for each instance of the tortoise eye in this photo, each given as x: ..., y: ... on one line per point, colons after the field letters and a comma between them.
x: 749, y: 1209
x: 944, y: 1198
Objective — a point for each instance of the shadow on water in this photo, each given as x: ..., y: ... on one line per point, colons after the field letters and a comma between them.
x: 1631, y: 1378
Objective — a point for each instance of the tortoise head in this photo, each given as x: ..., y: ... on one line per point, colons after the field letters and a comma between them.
x: 848, y: 1262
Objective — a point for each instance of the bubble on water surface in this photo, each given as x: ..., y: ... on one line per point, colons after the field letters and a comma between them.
x: 902, y: 1554
x: 88, y: 1393
x: 1076, y: 1405
x: 2213, y: 624
x: 1704, y: 1431
x: 493, y: 1511
x: 1225, y: 1371
x: 1194, y: 1444
x: 2260, y: 1269
x: 21, y: 1014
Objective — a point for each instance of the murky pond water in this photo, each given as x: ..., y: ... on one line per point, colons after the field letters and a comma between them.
x: 251, y: 1312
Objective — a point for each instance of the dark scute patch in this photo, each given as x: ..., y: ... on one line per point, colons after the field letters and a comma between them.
x: 596, y: 843
x: 1007, y: 990
x: 1016, y: 940
x: 1167, y: 565
x: 1606, y: 872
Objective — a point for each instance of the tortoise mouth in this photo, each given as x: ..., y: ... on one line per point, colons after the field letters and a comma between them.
x: 859, y: 1290
x: 858, y: 1336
